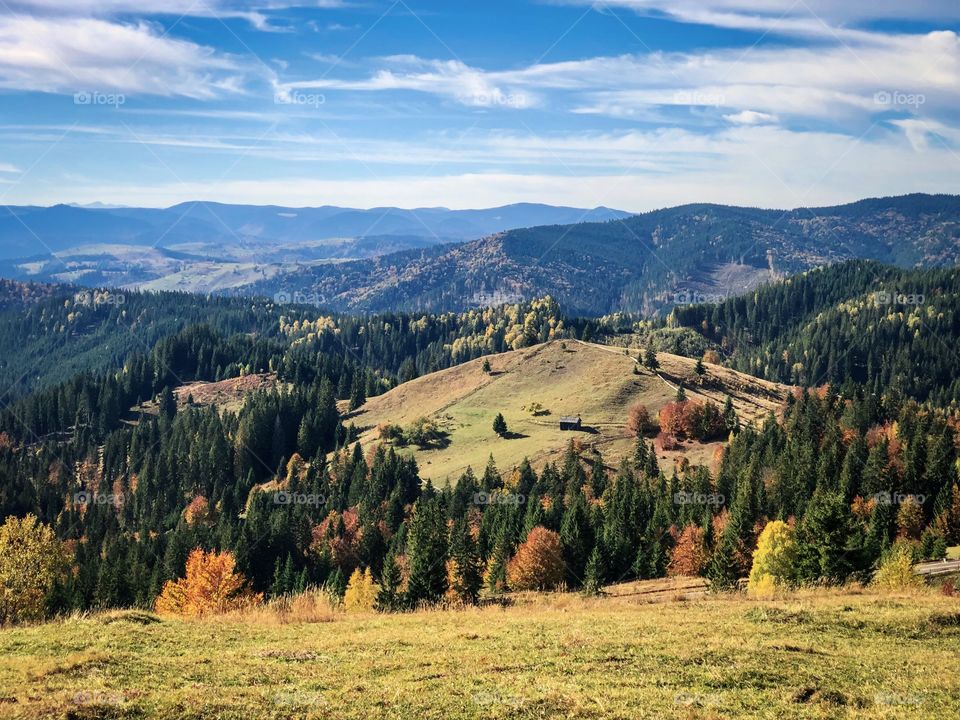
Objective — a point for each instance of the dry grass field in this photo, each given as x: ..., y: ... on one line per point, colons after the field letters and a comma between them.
x: 595, y: 381
x: 815, y: 654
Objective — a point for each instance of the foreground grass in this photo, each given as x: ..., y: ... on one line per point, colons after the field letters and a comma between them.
x: 815, y: 655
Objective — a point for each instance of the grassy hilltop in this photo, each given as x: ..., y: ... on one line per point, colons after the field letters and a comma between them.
x: 566, y: 378
x: 817, y: 654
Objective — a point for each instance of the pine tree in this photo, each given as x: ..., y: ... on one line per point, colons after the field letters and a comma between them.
x: 389, y: 598
x: 427, y: 552
x: 730, y: 418
x: 467, y: 575
x: 500, y: 425
x: 650, y: 359
x: 593, y: 575
x: 700, y: 369
x: 577, y: 537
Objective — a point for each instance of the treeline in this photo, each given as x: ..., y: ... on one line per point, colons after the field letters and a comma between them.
x: 858, y: 322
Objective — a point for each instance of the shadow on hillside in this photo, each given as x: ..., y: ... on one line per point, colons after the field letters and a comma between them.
x: 513, y: 436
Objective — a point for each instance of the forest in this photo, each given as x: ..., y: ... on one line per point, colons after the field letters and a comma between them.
x: 281, y: 486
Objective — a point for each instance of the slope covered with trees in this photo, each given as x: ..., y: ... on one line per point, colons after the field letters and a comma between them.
x: 643, y: 262
x: 860, y: 322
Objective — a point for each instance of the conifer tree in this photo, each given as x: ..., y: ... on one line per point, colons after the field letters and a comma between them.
x: 467, y: 574
x: 427, y: 552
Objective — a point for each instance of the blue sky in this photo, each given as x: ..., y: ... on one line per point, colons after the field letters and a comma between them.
x: 634, y: 104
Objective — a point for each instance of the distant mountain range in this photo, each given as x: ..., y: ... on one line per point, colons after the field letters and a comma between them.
x: 681, y: 255
x: 593, y: 261
x: 209, y: 246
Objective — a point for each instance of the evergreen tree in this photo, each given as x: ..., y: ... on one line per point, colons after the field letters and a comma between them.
x: 427, y: 552
x: 593, y: 576
x: 467, y: 575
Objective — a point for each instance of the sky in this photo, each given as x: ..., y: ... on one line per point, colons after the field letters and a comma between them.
x: 632, y: 104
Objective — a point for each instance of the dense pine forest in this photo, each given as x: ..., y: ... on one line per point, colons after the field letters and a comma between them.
x: 865, y: 459
x: 887, y: 328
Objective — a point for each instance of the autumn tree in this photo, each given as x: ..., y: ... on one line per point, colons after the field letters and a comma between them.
x: 774, y: 560
x: 896, y: 569
x: 639, y: 422
x: 689, y: 555
x: 31, y: 559
x: 211, y: 586
x: 538, y: 563
x: 361, y: 593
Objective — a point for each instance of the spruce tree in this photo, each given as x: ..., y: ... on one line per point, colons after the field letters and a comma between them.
x: 389, y: 597
x: 593, y: 576
x: 427, y: 552
x: 467, y: 570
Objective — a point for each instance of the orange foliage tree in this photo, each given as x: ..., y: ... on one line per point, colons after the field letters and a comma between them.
x: 538, y: 564
x: 689, y: 555
x: 211, y: 586
x: 639, y: 421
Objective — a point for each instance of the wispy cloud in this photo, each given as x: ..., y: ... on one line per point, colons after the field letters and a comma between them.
x: 835, y: 81
x: 88, y: 54
x: 816, y: 18
x: 256, y: 12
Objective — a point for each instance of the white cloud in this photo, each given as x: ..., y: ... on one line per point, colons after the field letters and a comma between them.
x: 750, y: 117
x: 253, y: 11
x: 86, y: 55
x: 819, y: 18
x: 834, y: 81
x: 8, y: 168
x: 448, y: 78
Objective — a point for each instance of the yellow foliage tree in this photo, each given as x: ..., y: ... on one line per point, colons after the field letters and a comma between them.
x: 211, y: 586
x: 361, y: 594
x: 896, y: 569
x: 774, y: 560
x: 31, y: 557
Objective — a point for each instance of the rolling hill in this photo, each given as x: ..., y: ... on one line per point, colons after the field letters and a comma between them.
x: 566, y: 378
x: 692, y: 253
